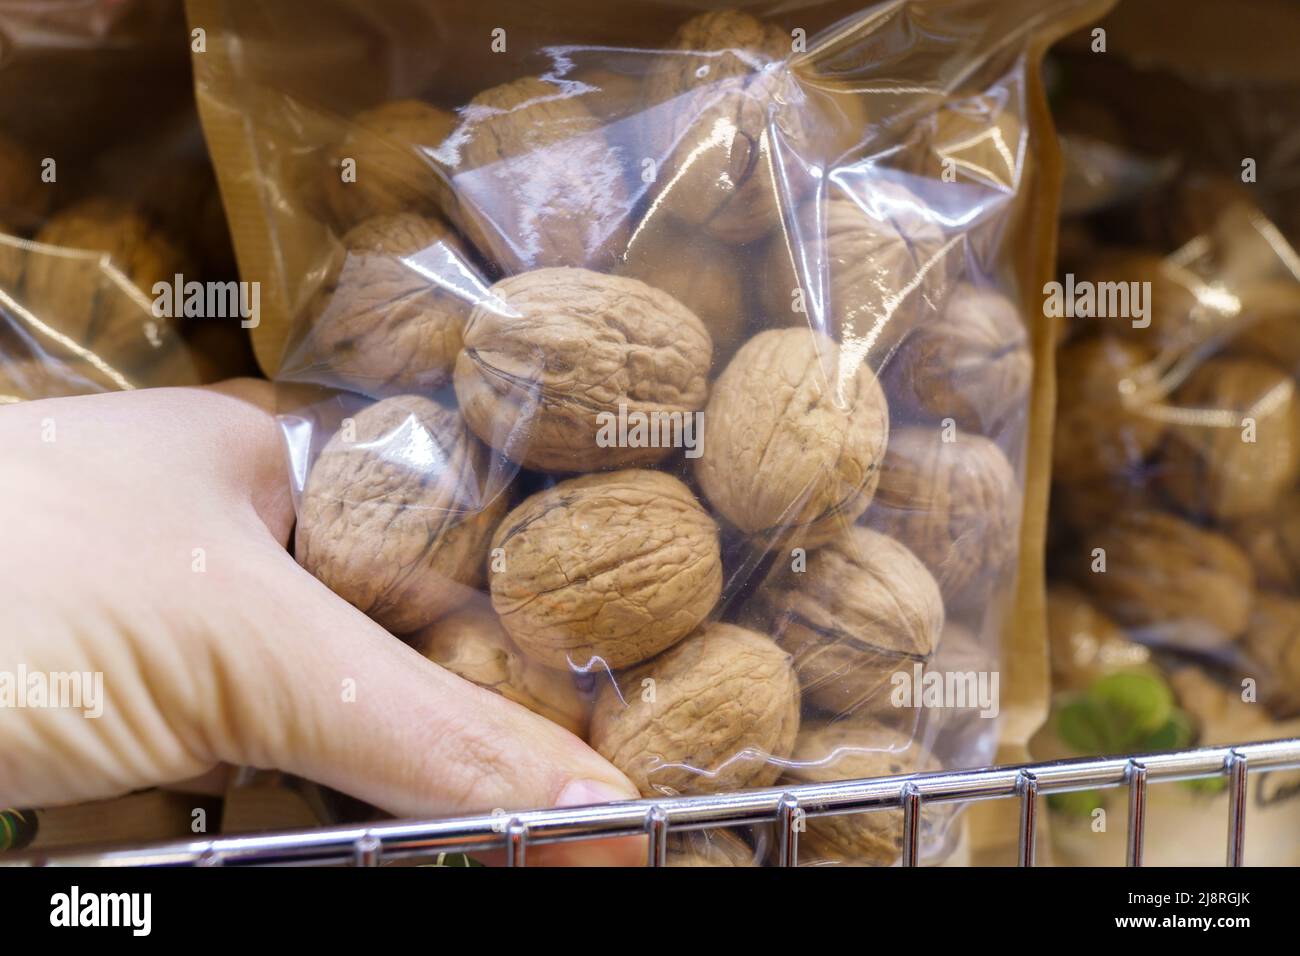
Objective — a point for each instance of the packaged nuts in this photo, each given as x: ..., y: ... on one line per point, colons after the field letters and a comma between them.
x: 863, y: 608
x: 797, y: 429
x: 606, y: 570
x: 551, y: 356
x: 706, y: 716
x: 397, y: 511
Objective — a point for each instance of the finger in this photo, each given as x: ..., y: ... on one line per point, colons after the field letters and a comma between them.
x: 352, y: 707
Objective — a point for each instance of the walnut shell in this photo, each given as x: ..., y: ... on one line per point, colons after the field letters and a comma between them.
x: 1084, y: 503
x: 25, y: 379
x: 1271, y: 540
x: 391, y: 316
x: 99, y: 290
x: 1182, y: 308
x: 1173, y: 582
x: 972, y: 365
x: 797, y: 429
x: 1231, y: 449
x: 392, y: 144
x: 863, y: 608
x: 978, y: 139
x: 535, y: 183
x: 1108, y: 405
x: 825, y: 753
x: 1084, y: 643
x: 709, y: 848
x: 954, y: 504
x: 553, y: 357
x: 710, y: 121
x: 701, y: 273
x: 706, y: 716
x: 1273, y: 640
x: 865, y: 268
x: 1269, y: 315
x: 471, y: 643
x: 397, y: 512
x: 24, y: 198
x: 612, y: 567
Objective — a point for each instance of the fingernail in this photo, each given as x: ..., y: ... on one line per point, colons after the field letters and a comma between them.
x: 580, y: 793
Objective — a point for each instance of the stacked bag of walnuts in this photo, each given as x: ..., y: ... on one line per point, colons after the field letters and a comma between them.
x: 665, y: 391
x: 105, y: 191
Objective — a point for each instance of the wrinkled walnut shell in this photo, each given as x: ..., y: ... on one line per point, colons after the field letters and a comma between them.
x: 1273, y: 640
x: 81, y: 294
x: 972, y: 364
x: 535, y: 183
x: 883, y: 255
x: 393, y: 145
x: 1084, y: 643
x: 863, y: 608
x: 551, y: 357
x: 1172, y: 582
x: 471, y: 643
x: 1272, y: 542
x: 710, y: 119
x: 1107, y: 400
x: 706, y: 716
x: 701, y: 273
x: 1208, y: 465
x: 392, y: 314
x: 954, y: 504
x: 709, y: 848
x: 610, y: 567
x: 397, y: 512
x: 796, y: 431
x: 825, y: 753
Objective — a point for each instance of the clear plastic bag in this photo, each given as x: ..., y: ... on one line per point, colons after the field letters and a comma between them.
x: 106, y: 196
x: 1174, y: 614
x: 668, y: 372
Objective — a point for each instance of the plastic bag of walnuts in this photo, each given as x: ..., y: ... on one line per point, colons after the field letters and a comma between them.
x: 667, y: 371
x: 108, y: 206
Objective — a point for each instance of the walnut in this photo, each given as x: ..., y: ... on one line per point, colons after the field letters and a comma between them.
x: 972, y: 365
x: 955, y: 504
x: 709, y: 848
x: 1266, y: 324
x: 610, y: 567
x: 24, y: 198
x: 24, y: 379
x: 825, y: 753
x: 1231, y: 449
x: 1183, y: 308
x: 706, y: 716
x: 1271, y: 539
x: 1108, y: 408
x: 701, y: 273
x: 1168, y: 580
x: 865, y: 268
x: 534, y: 182
x: 392, y: 314
x: 863, y: 608
x: 1272, y: 640
x: 712, y: 106
x: 471, y: 643
x: 554, y: 357
x: 797, y: 429
x: 397, y: 512
x: 977, y: 138
x: 392, y: 145
x: 1083, y: 503
x: 1084, y: 643
x: 1221, y: 716
x: 97, y: 289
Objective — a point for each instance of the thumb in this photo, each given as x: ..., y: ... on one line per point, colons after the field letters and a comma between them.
x: 364, y: 713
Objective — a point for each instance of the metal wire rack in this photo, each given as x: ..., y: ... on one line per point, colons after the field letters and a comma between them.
x: 786, y: 807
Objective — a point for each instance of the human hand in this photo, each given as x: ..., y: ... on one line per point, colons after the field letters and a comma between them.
x: 144, y: 539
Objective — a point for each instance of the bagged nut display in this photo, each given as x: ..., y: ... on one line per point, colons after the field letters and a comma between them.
x: 112, y: 236
x: 656, y: 373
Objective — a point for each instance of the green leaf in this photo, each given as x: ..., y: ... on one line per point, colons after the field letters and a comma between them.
x: 1082, y: 723
x: 1135, y: 704
x: 1175, y: 734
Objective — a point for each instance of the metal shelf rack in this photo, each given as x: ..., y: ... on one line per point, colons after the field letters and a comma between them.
x: 785, y: 806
